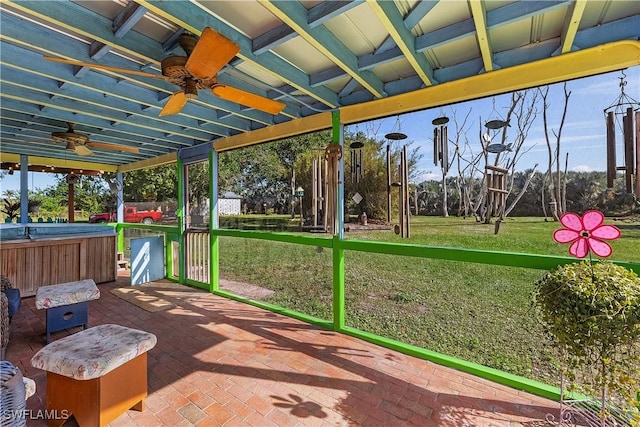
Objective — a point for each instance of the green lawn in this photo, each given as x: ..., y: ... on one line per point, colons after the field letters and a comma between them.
x: 476, y: 312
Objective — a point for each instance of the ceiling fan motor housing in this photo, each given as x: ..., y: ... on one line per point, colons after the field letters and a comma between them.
x: 70, y: 137
x: 173, y: 68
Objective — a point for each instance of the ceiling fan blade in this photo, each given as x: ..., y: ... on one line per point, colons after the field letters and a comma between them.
x: 212, y: 52
x: 82, y: 150
x: 248, y: 99
x: 174, y: 104
x: 105, y: 67
x: 115, y: 147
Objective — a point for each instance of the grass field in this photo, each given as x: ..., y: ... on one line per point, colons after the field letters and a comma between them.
x: 480, y: 313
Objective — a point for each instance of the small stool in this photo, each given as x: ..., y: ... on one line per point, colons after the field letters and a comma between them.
x: 97, y: 374
x: 66, y: 304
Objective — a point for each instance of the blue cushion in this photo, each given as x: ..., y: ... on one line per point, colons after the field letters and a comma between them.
x: 13, y: 295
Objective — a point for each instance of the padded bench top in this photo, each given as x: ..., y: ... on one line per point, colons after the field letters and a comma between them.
x: 66, y: 293
x: 93, y: 352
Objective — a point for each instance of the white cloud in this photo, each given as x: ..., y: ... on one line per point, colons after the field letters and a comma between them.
x: 573, y: 139
x: 429, y: 176
x: 607, y: 87
x: 582, y: 168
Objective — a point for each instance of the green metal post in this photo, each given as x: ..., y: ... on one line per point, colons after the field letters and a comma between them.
x: 120, y: 232
x: 338, y: 252
x: 338, y: 286
x: 168, y: 255
x: 214, y: 240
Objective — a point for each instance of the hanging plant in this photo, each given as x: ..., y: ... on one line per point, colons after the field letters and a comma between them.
x: 34, y: 206
x: 591, y: 310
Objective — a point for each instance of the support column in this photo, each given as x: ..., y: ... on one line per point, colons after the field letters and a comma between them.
x: 24, y: 189
x: 214, y: 224
x: 120, y: 197
x: 338, y: 252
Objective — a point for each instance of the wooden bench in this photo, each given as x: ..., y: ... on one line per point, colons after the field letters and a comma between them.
x: 97, y: 374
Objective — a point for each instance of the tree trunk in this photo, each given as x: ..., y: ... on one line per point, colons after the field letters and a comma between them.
x: 445, y: 209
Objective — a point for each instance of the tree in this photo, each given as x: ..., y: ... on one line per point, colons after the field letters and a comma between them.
x: 472, y: 182
x: 154, y: 184
x: 262, y: 173
x: 11, y: 204
x: 466, y: 161
x: 522, y: 111
x: 556, y: 182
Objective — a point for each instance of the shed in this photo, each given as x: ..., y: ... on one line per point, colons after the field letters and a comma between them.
x: 230, y: 203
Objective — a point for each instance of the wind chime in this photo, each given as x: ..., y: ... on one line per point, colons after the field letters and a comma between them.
x: 627, y: 108
x: 319, y: 176
x: 356, y: 165
x: 441, y: 143
x: 403, y: 184
x: 495, y: 176
x: 332, y: 154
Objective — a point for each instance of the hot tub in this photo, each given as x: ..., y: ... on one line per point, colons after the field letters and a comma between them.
x: 34, y: 255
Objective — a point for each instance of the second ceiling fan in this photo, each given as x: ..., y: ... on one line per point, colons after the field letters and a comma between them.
x: 80, y: 143
x: 197, y: 70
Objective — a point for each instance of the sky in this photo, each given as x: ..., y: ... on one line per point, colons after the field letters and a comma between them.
x: 583, y: 135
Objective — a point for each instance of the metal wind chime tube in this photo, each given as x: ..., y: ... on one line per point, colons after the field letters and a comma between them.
x: 388, y: 183
x: 627, y: 125
x: 357, y: 165
x: 611, y: 149
x: 332, y: 154
x: 441, y: 143
x: 314, y: 190
x: 629, y: 109
x: 325, y: 194
x: 402, y: 184
x: 405, y: 193
x: 319, y: 178
x: 392, y: 136
x: 436, y: 145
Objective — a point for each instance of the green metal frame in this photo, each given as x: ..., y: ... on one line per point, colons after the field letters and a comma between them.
x: 214, y: 242
x: 339, y: 245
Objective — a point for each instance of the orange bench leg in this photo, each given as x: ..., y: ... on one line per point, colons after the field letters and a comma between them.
x: 98, y: 401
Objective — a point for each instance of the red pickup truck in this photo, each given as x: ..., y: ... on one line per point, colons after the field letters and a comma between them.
x: 131, y: 214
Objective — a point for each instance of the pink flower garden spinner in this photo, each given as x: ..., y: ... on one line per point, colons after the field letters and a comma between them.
x: 586, y: 233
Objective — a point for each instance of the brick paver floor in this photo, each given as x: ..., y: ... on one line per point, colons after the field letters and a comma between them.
x: 221, y: 362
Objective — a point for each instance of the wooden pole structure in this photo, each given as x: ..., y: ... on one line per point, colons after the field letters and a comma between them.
x: 314, y: 190
x: 496, y: 193
x: 405, y: 191
x: 611, y: 149
x: 627, y: 123
x: 325, y: 194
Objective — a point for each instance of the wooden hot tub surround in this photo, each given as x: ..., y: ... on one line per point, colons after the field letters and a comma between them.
x: 49, y: 259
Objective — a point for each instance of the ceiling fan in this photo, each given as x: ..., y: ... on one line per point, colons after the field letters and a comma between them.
x: 198, y: 70
x: 79, y: 143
